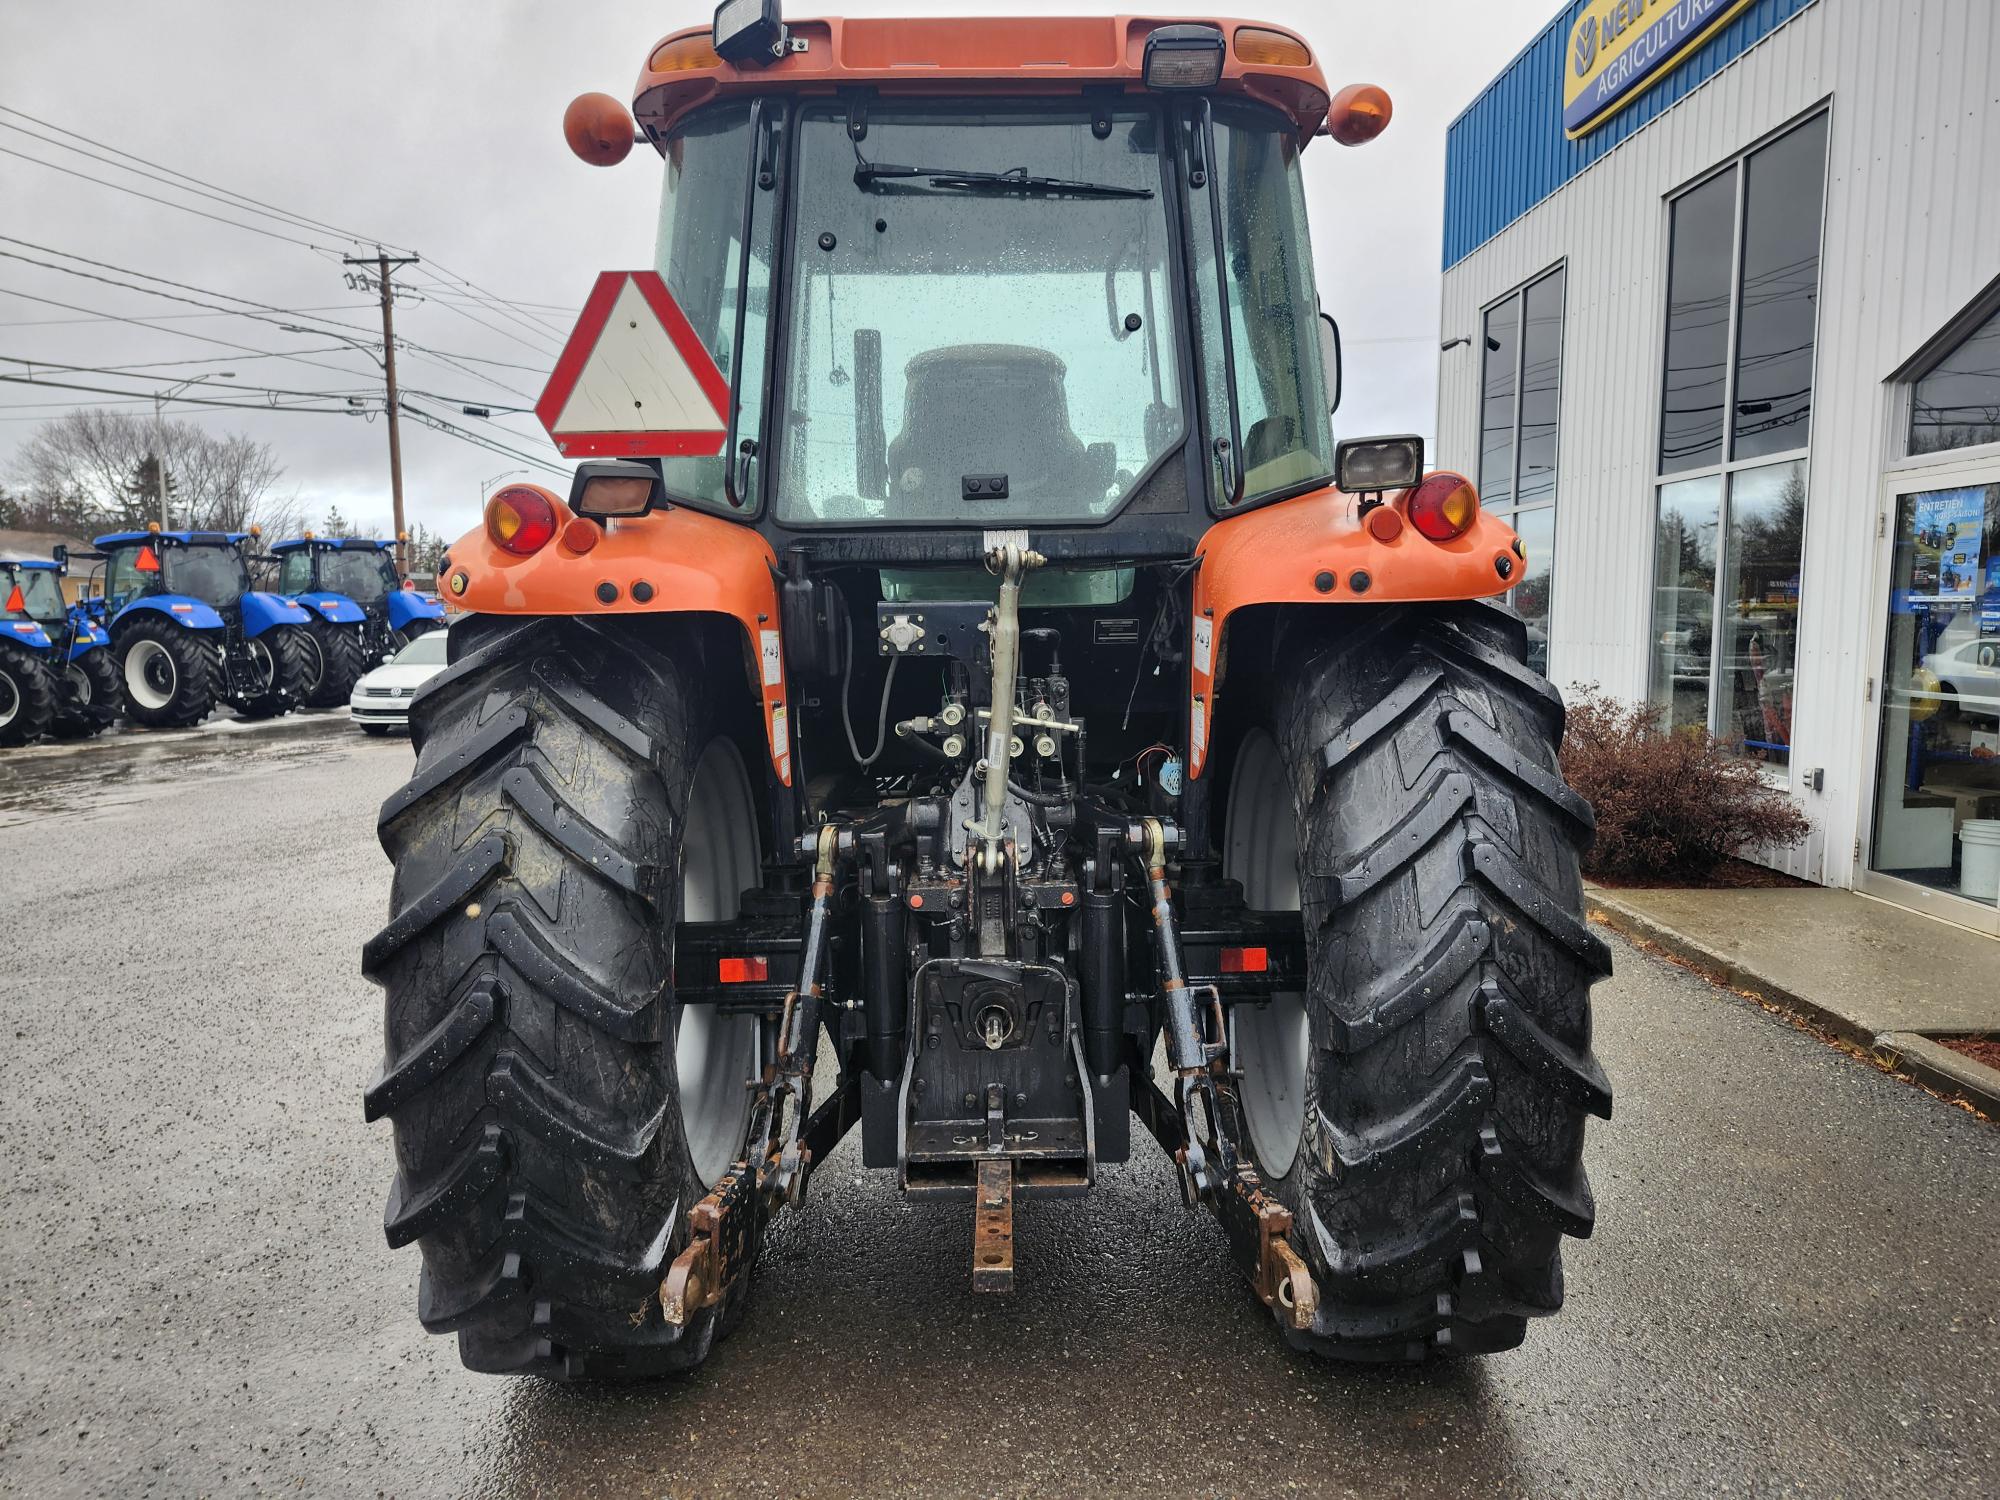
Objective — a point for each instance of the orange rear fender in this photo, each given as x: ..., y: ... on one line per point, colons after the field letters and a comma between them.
x: 1317, y: 550
x: 669, y: 562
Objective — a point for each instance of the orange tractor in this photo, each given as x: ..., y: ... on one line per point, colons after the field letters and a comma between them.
x: 968, y: 694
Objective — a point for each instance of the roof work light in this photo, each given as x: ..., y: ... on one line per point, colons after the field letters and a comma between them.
x: 749, y: 31
x: 1184, y: 57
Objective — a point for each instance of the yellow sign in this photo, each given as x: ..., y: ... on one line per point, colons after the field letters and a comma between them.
x: 1620, y: 48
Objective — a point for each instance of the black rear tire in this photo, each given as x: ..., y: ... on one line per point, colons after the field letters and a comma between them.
x: 285, y: 689
x: 544, y: 1167
x: 27, y: 695
x: 167, y: 673
x: 1449, y: 1069
x: 333, y: 663
x: 92, y: 696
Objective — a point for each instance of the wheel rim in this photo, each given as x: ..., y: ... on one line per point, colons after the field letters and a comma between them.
x: 10, y: 699
x: 315, y: 662
x: 715, y: 1055
x: 263, y: 671
x: 150, y: 676
x: 1273, y: 1042
x: 79, y: 681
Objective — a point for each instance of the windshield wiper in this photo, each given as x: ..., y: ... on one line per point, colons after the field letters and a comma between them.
x: 1014, y: 180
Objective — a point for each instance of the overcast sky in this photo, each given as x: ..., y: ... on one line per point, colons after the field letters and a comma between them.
x: 438, y: 127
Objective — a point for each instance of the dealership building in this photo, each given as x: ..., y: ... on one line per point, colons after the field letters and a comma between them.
x: 1721, y: 322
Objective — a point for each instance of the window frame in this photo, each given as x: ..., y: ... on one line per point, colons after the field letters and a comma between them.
x: 1947, y: 341
x: 1730, y: 465
x: 1518, y: 294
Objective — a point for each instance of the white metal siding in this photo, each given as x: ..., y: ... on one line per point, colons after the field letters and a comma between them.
x: 1912, y: 235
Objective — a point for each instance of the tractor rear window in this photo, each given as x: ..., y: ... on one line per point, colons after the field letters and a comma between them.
x: 214, y: 575
x: 978, y: 293
x: 364, y: 577
x: 41, y: 595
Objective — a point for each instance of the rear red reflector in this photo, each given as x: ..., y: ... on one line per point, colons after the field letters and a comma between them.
x: 744, y: 970
x: 1246, y: 960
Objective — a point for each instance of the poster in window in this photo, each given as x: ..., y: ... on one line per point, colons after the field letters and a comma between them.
x: 1947, y: 561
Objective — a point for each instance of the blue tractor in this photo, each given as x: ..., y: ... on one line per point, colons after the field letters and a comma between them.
x: 188, y: 631
x: 56, y: 672
x: 361, y: 612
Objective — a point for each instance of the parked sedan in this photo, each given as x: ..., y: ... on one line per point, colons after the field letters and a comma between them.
x: 381, y: 700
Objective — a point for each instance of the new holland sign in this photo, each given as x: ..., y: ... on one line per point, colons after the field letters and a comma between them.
x: 1620, y: 48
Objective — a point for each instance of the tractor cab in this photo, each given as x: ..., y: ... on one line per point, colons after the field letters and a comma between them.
x: 188, y: 628
x: 362, y: 611
x: 31, y: 592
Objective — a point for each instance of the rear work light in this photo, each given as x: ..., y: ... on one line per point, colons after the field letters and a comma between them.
x: 749, y: 31
x: 1444, y: 506
x: 1363, y: 466
x: 520, y: 520
x: 614, y: 487
x: 1184, y: 57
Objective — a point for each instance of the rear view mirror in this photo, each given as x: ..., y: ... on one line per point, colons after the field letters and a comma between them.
x: 1329, y: 359
x: 871, y: 434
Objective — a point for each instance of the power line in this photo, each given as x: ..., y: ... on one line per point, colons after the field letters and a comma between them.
x: 152, y: 198
x: 270, y: 210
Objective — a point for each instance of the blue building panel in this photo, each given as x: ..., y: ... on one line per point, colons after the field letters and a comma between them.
x: 1507, y: 151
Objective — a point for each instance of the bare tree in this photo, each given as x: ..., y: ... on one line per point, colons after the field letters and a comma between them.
x: 217, y: 483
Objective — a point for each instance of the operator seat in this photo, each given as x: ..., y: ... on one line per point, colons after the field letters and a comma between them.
x: 985, y: 409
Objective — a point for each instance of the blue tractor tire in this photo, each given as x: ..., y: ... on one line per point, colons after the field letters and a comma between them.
x: 168, y: 672
x: 27, y: 695
x: 91, y: 696
x: 282, y: 688
x: 334, y: 663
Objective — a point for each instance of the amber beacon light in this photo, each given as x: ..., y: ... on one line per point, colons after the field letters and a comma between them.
x: 1358, y: 114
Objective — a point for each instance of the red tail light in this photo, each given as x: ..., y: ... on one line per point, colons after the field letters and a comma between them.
x: 743, y: 970
x: 1444, y: 506
x: 1246, y: 960
x: 521, y: 520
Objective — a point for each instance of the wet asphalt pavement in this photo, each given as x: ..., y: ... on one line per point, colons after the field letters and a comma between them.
x: 1791, y: 1291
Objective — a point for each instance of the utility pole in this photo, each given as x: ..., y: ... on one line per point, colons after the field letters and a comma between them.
x: 383, y: 265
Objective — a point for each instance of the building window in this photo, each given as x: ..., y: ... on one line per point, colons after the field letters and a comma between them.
x: 1957, y: 405
x: 1735, y: 420
x: 1520, y: 407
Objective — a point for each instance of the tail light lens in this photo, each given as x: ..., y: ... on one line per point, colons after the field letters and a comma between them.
x: 521, y: 520
x: 1444, y: 506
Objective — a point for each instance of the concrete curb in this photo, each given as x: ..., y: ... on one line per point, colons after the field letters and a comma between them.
x: 1938, y: 1068
x: 1624, y: 919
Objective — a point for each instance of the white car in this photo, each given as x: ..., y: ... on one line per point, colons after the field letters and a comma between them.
x: 381, y: 700
x: 1969, y: 676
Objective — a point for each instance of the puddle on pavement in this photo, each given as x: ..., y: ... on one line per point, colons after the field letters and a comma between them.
x: 105, y: 776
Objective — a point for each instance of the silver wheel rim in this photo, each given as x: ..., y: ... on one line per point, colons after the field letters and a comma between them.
x: 80, y: 680
x: 265, y: 670
x: 1260, y: 847
x: 151, y: 679
x: 715, y: 1056
x: 10, y: 699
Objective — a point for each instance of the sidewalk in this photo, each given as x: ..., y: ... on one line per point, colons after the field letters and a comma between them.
x: 1873, y: 974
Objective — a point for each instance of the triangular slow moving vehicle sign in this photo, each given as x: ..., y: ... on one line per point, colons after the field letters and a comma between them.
x: 635, y: 380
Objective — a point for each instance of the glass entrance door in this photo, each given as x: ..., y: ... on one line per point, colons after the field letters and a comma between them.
x: 1937, y: 802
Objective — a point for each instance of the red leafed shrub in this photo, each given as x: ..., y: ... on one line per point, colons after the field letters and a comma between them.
x: 1671, y: 804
